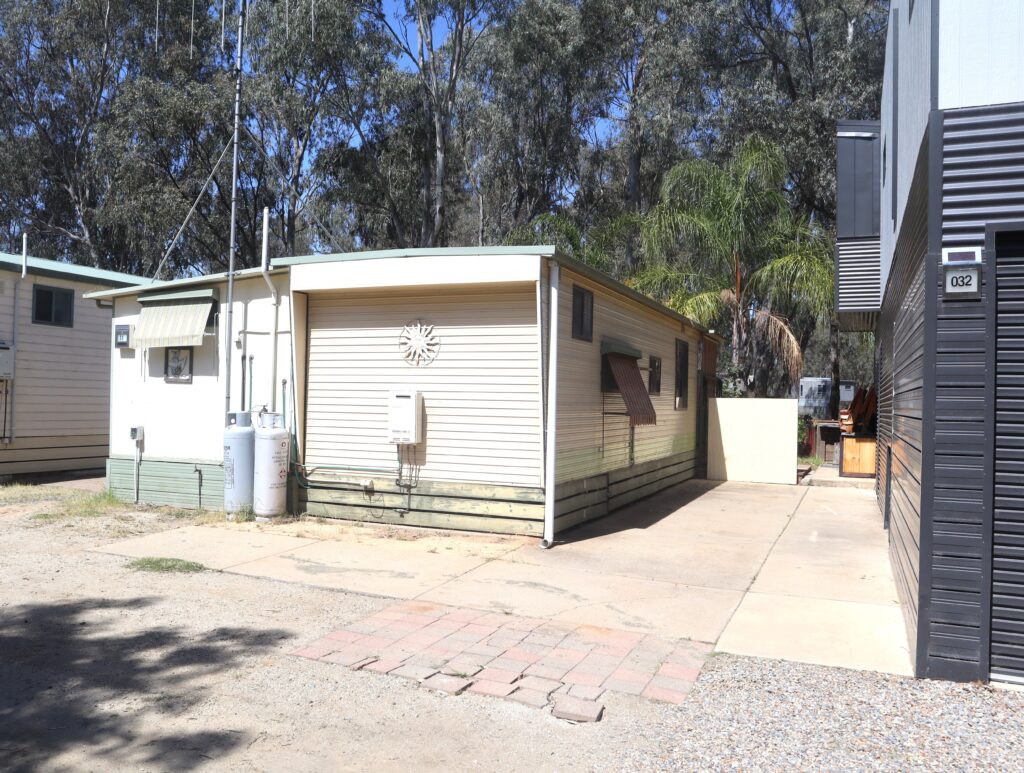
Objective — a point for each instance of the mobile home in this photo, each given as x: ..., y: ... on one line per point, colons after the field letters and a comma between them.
x: 54, y: 365
x: 930, y: 256
x: 539, y: 392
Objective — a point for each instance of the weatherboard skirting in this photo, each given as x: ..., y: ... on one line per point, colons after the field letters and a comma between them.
x: 436, y: 504
x: 65, y: 453
x: 584, y: 499
x: 190, y: 484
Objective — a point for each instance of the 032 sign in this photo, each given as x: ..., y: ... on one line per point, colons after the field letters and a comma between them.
x: 963, y: 281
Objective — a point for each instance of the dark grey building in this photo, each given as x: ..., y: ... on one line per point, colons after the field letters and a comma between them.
x: 931, y: 229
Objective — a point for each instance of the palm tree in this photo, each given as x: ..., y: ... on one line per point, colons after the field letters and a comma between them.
x: 722, y: 246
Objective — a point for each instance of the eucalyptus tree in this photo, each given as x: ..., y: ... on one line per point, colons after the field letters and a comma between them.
x: 438, y: 40
x: 69, y: 74
x: 789, y: 69
x: 538, y: 86
x: 714, y: 227
x: 656, y: 98
x: 305, y: 69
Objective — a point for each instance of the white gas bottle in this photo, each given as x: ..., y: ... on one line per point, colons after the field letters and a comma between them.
x: 270, y: 482
x: 239, y: 438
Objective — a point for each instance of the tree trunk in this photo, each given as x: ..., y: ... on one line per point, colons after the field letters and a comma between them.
x: 833, y: 353
x: 633, y: 197
x: 440, y: 154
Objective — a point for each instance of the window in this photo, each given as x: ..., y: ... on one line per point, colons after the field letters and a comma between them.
x: 682, y: 375
x: 53, y: 306
x: 654, y: 376
x: 582, y: 314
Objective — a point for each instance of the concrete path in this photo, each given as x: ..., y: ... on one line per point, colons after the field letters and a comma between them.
x: 790, y: 572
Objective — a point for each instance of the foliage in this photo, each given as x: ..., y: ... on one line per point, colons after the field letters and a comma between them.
x: 82, y: 505
x: 429, y: 123
x: 726, y: 250
x: 176, y: 565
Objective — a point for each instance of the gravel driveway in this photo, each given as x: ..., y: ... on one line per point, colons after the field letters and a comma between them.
x: 105, y: 667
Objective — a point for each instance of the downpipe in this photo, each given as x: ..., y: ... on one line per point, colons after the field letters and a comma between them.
x: 552, y: 403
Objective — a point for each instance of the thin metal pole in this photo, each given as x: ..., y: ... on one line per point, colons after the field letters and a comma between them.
x: 229, y: 332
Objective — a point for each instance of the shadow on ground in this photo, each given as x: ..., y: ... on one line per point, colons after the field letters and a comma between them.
x: 643, y: 513
x: 68, y: 680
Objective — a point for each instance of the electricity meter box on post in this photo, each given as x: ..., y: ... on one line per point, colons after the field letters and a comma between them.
x: 405, y: 417
x: 239, y: 447
x: 270, y: 479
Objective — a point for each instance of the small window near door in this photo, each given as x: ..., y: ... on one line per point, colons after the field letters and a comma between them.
x: 654, y: 376
x: 682, y: 375
x: 53, y: 306
x: 582, y: 314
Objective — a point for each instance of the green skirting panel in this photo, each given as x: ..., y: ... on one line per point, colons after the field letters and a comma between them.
x: 578, y: 501
x: 188, y: 484
x: 436, y: 504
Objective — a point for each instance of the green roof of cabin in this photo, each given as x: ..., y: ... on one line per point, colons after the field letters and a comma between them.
x: 149, y: 285
x: 58, y: 268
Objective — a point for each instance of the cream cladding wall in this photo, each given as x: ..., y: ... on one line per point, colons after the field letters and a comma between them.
x: 481, y: 393
x: 589, y: 441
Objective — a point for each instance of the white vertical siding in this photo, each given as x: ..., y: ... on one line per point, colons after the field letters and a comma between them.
x: 186, y: 421
x: 980, y: 44
x: 591, y: 441
x: 481, y: 393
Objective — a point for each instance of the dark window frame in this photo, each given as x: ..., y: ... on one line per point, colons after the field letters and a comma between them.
x: 56, y: 292
x: 682, y: 386
x: 582, y: 314
x: 653, y: 375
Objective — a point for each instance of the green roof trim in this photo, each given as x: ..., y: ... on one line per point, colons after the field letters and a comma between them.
x: 173, y: 284
x: 615, y: 346
x: 203, y: 293
x: 62, y: 270
x: 544, y: 250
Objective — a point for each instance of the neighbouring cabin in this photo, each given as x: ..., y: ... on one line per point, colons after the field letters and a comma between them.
x: 459, y: 342
x: 944, y: 170
x: 54, y: 366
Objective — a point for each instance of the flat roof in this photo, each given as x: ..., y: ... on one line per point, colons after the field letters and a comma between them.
x: 543, y: 250
x: 244, y: 273
x: 58, y: 268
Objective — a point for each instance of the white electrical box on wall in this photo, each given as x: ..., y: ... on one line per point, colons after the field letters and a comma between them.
x: 6, y: 362
x: 405, y: 417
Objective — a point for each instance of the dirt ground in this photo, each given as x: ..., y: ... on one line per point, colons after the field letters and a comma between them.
x: 105, y: 667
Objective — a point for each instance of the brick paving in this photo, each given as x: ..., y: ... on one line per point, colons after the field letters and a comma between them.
x: 528, y: 660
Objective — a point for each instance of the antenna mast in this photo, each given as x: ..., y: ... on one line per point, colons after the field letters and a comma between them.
x: 228, y: 333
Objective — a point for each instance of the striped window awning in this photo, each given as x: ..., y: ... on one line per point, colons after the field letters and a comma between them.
x: 631, y: 385
x: 175, y: 323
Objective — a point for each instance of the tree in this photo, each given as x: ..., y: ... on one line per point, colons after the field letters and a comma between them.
x: 789, y: 69
x: 713, y: 228
x: 440, y: 62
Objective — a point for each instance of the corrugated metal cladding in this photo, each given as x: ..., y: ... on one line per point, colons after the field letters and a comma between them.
x: 481, y: 394
x: 633, y: 389
x: 858, y: 282
x: 982, y: 182
x: 901, y: 343
x: 1007, y: 640
x: 593, y: 430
